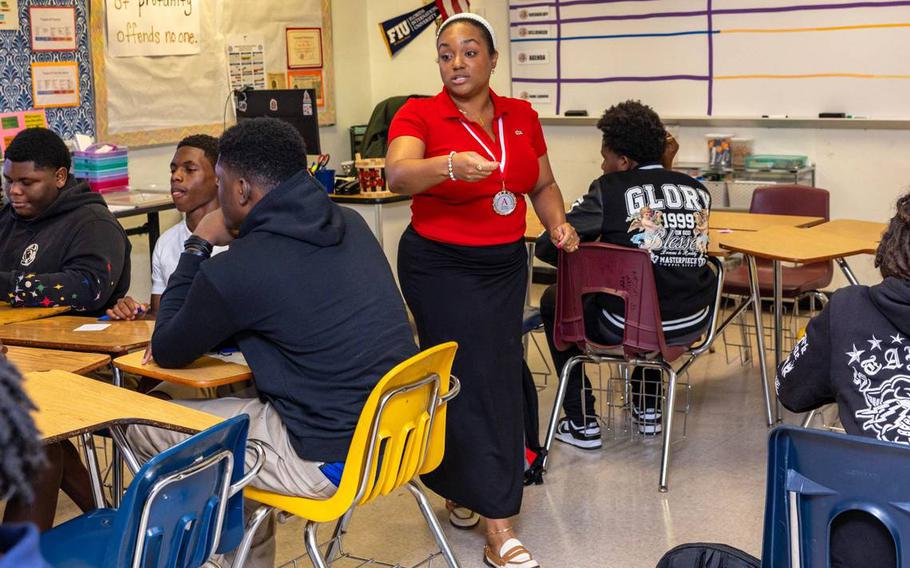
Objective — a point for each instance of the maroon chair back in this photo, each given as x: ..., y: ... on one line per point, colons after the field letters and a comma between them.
x: 791, y: 200
x: 795, y: 200
x: 619, y: 271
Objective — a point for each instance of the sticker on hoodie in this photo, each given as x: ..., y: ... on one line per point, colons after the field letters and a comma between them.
x: 30, y: 254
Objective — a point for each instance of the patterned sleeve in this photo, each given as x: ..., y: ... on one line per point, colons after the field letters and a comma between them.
x: 408, y: 122
x: 87, y: 276
x: 803, y: 380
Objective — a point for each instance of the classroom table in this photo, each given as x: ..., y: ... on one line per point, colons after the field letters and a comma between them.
x: 205, y: 372
x: 869, y: 232
x: 59, y: 332
x: 9, y: 314
x: 30, y: 360
x: 786, y: 243
x: 148, y: 202
x: 745, y: 221
x: 69, y: 405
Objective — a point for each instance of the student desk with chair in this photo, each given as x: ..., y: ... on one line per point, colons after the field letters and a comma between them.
x: 30, y: 360
x: 788, y: 243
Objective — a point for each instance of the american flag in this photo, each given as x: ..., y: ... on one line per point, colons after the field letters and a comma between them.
x: 449, y: 7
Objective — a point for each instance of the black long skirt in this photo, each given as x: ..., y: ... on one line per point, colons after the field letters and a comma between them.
x: 475, y: 296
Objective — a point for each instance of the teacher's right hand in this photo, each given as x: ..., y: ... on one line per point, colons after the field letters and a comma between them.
x: 471, y: 166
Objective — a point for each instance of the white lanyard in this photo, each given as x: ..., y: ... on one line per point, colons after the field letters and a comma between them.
x: 502, y: 145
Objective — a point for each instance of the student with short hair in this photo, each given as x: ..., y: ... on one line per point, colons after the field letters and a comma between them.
x: 856, y: 353
x: 59, y: 243
x: 194, y: 189
x: 638, y: 202
x: 290, y: 292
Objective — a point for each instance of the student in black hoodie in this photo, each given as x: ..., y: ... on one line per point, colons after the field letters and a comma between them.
x: 59, y: 243
x: 639, y: 202
x: 306, y: 292
x: 856, y: 353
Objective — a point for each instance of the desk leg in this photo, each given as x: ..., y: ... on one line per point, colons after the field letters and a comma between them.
x: 154, y: 230
x: 116, y: 457
x: 778, y: 328
x: 845, y: 268
x: 377, y: 212
x: 120, y: 438
x: 759, y: 335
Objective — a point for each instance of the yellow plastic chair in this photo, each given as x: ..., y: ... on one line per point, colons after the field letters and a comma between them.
x: 400, y: 434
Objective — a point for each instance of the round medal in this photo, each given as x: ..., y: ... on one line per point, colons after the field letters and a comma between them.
x: 504, y: 202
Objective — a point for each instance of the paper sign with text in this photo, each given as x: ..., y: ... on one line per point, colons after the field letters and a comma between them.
x: 152, y: 27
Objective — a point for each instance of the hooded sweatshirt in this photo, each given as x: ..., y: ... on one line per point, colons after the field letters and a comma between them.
x: 307, y: 293
x: 74, y: 253
x: 856, y: 353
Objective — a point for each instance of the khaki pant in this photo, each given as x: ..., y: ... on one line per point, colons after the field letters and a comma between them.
x: 284, y: 472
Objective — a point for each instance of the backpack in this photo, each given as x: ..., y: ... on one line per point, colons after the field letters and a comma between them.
x: 707, y: 555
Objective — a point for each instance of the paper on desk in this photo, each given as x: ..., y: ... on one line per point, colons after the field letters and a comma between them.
x: 93, y: 327
x: 116, y: 208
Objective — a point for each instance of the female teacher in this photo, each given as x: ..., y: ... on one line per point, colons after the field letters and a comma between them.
x: 468, y: 157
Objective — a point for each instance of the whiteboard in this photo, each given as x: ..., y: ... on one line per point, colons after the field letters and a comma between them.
x: 145, y: 100
x: 713, y: 57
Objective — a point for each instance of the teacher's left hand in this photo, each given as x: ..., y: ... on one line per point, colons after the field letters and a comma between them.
x: 565, y: 237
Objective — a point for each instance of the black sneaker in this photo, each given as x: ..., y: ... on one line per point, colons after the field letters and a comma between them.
x: 586, y: 437
x: 648, y: 420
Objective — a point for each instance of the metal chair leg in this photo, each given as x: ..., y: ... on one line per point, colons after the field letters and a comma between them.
x: 441, y: 541
x: 252, y: 525
x: 667, y: 426
x: 341, y: 528
x: 94, y: 471
x: 807, y: 420
x: 312, y: 545
x: 557, y: 405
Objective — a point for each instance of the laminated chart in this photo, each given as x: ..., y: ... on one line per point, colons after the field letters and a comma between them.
x: 713, y: 57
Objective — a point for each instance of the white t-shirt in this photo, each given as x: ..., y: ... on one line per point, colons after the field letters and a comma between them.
x: 167, y: 254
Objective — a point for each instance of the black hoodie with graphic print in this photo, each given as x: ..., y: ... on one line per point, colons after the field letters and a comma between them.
x: 856, y: 353
x: 307, y: 293
x: 74, y: 253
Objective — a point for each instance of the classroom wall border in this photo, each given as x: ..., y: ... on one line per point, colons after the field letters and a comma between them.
x: 750, y: 122
x: 143, y: 138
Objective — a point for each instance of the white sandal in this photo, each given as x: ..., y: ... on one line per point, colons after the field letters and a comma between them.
x: 512, y: 554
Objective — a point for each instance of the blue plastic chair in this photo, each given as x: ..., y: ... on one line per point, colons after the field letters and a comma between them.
x: 184, y: 505
x: 813, y: 476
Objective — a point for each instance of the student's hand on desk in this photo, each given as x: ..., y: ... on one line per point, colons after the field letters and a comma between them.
x: 213, y: 229
x: 127, y: 309
x: 471, y: 166
x: 147, y: 356
x: 565, y: 237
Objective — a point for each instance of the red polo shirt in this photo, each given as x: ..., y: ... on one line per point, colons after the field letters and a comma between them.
x: 460, y: 212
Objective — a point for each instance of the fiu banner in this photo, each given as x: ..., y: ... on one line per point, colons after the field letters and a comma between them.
x: 401, y: 30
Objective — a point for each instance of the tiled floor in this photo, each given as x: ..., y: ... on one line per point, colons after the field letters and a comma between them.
x: 601, y: 508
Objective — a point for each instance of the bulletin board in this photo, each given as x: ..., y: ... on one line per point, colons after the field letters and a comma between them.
x: 713, y: 57
x: 16, y: 57
x: 147, y: 100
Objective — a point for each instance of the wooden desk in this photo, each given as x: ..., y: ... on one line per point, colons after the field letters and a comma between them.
x: 69, y: 405
x: 755, y: 221
x: 9, y: 314
x: 782, y: 243
x: 868, y: 231
x: 791, y: 244
x: 57, y: 333
x: 30, y: 360
x: 202, y: 373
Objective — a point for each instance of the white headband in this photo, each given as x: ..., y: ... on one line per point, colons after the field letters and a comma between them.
x: 468, y: 16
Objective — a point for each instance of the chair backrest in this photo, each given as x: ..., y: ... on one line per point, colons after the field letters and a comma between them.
x: 178, y: 510
x: 814, y: 475
x: 620, y: 271
x: 401, y: 430
x: 791, y: 199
